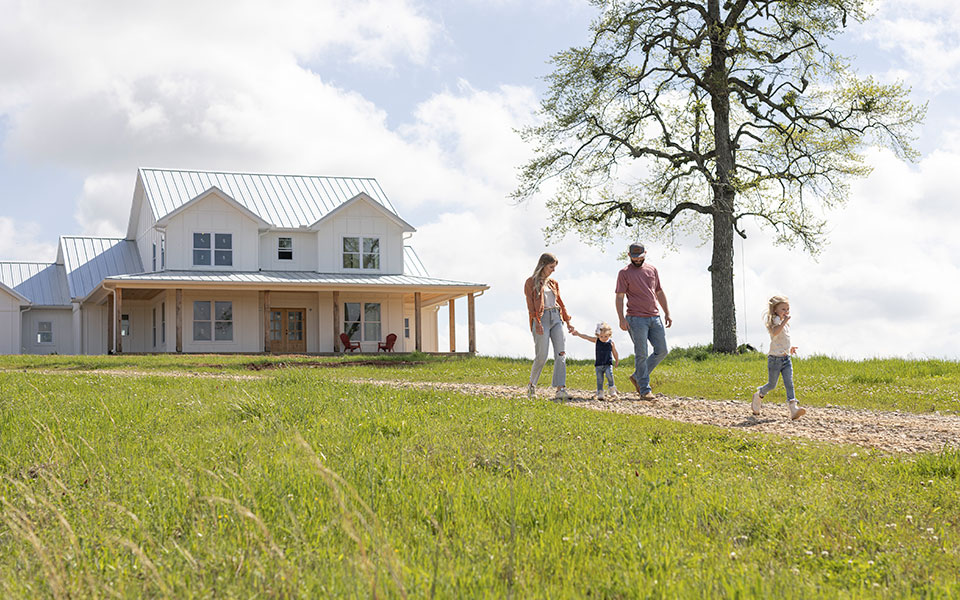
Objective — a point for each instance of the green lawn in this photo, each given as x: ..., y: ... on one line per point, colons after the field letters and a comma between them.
x: 302, y: 484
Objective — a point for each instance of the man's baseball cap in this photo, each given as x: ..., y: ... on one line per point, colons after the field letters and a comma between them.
x: 636, y: 250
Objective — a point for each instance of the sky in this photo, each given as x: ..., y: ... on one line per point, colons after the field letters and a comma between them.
x: 427, y: 97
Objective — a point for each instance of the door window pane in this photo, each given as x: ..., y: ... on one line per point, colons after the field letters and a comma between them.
x: 295, y: 325
x: 275, y: 325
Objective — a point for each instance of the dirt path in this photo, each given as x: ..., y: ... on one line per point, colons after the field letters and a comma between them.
x: 887, y: 431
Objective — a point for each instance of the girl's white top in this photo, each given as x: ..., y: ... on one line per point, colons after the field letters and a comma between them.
x: 780, y: 343
x: 549, y: 297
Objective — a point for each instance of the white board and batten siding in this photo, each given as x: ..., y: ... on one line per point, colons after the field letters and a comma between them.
x: 359, y: 219
x: 304, y: 251
x: 147, y: 235
x: 61, y: 323
x: 212, y: 215
x: 9, y: 323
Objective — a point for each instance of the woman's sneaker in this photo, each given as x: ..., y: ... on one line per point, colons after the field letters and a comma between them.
x: 531, y: 391
x: 755, y: 403
x: 561, y: 394
x: 796, y: 411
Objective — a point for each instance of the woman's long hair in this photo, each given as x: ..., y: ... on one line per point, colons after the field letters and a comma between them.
x: 770, y: 313
x: 545, y: 259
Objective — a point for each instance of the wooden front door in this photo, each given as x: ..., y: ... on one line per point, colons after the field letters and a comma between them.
x: 288, y: 331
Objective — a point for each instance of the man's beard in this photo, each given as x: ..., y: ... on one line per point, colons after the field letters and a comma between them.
x: 638, y: 264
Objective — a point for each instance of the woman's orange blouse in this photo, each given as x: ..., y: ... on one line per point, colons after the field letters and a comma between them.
x: 535, y: 301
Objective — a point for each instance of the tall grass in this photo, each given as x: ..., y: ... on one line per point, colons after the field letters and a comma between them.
x: 300, y: 484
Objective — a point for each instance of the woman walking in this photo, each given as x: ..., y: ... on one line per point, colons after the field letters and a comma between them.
x: 547, y: 316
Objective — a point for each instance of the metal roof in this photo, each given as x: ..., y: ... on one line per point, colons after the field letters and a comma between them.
x: 282, y: 200
x: 291, y: 277
x: 412, y: 265
x: 89, y: 260
x: 41, y: 283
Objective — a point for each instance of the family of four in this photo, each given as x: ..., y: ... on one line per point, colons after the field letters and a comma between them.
x: 639, y: 284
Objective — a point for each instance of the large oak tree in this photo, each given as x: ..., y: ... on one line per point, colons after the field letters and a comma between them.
x: 721, y: 112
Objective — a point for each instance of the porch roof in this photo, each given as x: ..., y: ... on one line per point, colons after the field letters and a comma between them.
x: 258, y: 279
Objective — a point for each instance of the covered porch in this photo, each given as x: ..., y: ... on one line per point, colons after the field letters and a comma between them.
x: 302, y: 313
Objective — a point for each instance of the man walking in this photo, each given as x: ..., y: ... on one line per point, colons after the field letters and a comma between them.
x: 640, y: 283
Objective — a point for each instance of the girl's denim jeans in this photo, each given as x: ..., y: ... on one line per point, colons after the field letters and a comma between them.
x: 601, y: 371
x: 777, y: 365
x: 552, y: 332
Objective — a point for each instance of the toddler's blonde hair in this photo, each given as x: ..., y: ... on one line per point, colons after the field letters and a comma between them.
x: 770, y: 313
x: 603, y: 326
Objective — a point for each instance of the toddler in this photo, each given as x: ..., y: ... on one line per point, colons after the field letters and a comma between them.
x: 606, y: 358
x: 777, y: 319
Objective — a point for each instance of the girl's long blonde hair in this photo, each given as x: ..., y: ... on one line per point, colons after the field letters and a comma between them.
x: 770, y: 313
x: 545, y: 259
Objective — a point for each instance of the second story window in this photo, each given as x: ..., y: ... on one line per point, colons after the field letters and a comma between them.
x: 154, y: 263
x: 222, y: 251
x: 361, y: 253
x: 285, y: 248
x: 163, y: 253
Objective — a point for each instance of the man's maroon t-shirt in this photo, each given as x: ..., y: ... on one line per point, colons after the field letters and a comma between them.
x: 641, y: 285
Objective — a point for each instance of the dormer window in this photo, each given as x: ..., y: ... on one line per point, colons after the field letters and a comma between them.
x: 361, y: 253
x: 222, y: 249
x: 285, y: 248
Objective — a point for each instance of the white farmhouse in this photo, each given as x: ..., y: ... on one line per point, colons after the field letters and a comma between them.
x: 234, y: 262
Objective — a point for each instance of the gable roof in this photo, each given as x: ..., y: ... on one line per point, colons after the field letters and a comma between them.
x: 214, y: 191
x: 16, y: 295
x: 43, y: 284
x: 284, y: 201
x: 89, y: 260
x: 364, y: 197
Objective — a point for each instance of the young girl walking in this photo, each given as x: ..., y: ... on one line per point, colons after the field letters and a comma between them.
x: 777, y: 320
x: 606, y: 358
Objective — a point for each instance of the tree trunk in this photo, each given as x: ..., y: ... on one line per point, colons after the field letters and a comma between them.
x: 721, y: 281
x: 721, y: 267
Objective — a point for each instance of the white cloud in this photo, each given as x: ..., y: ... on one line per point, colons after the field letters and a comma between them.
x: 18, y: 242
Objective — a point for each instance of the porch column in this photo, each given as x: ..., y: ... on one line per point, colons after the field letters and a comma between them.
x: 453, y: 326
x: 119, y: 321
x: 472, y: 325
x: 110, y: 317
x: 179, y: 320
x: 336, y: 321
x: 266, y: 321
x: 417, y: 321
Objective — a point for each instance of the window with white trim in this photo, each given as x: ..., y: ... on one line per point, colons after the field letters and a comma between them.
x: 124, y: 325
x: 163, y: 252
x: 212, y: 321
x: 154, y: 261
x: 361, y: 321
x: 44, y: 332
x: 163, y: 322
x: 285, y: 248
x: 361, y: 252
x: 221, y: 252
x: 406, y: 327
x: 154, y: 326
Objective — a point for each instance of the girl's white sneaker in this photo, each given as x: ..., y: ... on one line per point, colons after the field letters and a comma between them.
x: 796, y: 411
x: 600, y: 394
x: 612, y: 392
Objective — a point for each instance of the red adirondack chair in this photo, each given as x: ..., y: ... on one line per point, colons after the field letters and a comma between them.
x: 347, y: 344
x: 387, y: 346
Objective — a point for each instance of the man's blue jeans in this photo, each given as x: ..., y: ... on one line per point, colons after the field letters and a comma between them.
x: 641, y: 330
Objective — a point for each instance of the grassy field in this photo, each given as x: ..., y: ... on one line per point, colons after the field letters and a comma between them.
x: 302, y: 484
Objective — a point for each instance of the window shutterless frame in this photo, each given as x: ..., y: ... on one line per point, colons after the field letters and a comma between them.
x: 285, y: 248
x: 360, y: 252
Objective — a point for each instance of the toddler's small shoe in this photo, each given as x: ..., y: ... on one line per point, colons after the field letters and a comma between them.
x: 796, y: 411
x: 561, y: 394
x: 612, y: 392
x: 755, y: 404
x: 599, y: 394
